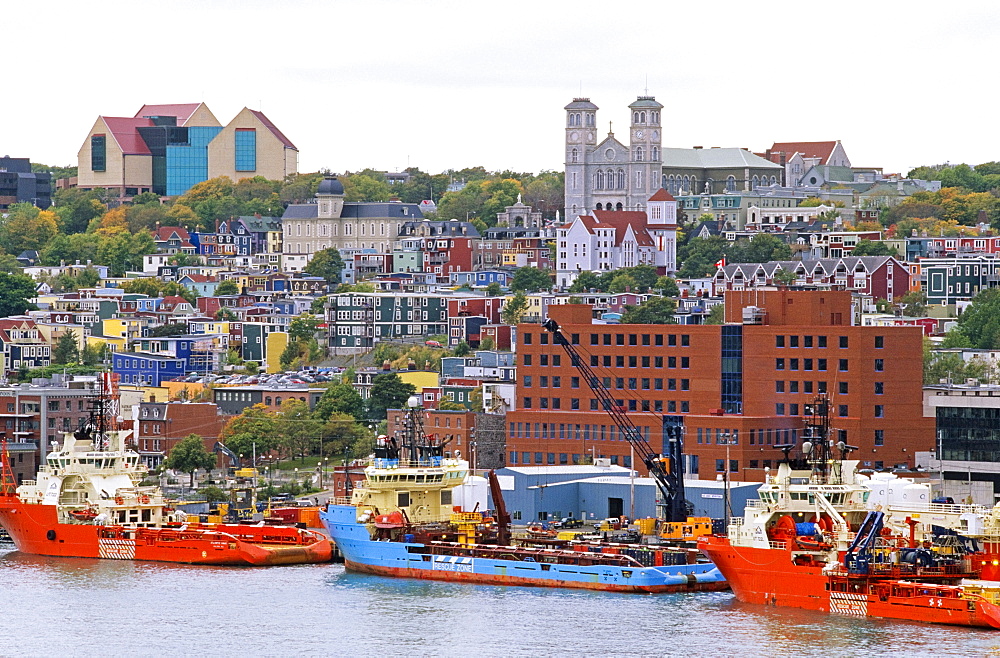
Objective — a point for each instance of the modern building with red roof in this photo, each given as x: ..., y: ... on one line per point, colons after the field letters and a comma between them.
x: 168, y: 148
x: 798, y: 157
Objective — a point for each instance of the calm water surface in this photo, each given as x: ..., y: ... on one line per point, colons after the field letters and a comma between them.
x: 73, y: 607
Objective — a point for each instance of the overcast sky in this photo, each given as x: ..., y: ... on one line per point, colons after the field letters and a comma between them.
x: 438, y: 85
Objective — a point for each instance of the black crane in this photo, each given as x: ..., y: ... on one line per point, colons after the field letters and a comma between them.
x: 666, y: 470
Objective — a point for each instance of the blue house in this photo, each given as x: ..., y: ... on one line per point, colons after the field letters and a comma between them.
x: 479, y: 278
x: 146, y: 369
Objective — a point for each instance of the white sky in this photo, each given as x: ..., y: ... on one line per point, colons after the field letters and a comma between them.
x: 440, y: 84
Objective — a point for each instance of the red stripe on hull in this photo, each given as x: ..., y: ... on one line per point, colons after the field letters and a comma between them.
x: 497, y: 579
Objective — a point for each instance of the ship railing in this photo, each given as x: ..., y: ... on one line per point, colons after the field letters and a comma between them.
x: 340, y: 500
x: 940, y: 508
x: 433, y: 462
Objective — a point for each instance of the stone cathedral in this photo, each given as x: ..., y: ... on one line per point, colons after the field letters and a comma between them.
x: 607, y: 174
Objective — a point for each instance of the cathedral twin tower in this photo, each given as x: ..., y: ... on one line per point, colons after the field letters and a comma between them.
x: 610, y: 175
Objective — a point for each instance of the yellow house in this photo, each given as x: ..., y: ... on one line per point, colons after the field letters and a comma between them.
x: 115, y: 344
x: 275, y: 344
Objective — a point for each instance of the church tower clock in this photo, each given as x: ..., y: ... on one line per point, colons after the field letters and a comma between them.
x: 646, y: 158
x: 581, y: 138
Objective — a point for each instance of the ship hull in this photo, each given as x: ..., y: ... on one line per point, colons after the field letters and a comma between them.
x: 411, y: 560
x: 768, y: 576
x: 35, y: 530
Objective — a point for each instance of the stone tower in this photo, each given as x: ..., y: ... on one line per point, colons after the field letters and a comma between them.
x: 581, y: 138
x: 645, y: 144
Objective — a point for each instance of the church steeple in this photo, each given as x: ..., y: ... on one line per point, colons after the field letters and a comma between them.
x: 645, y: 145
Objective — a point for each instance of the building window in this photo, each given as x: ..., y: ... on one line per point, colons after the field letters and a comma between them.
x: 843, y: 365
x: 880, y: 437
x: 843, y: 342
x: 842, y: 411
x: 879, y: 388
x: 879, y: 365
x: 246, y: 149
x: 879, y: 411
x: 879, y: 342
x: 842, y: 388
x: 98, y: 153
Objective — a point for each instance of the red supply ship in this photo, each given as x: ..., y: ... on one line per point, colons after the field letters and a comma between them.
x: 811, y: 542
x: 87, y: 501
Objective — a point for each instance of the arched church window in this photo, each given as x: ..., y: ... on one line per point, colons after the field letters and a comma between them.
x: 638, y: 180
x: 654, y: 154
x: 642, y: 117
x: 754, y: 182
x: 599, y: 207
x: 618, y: 207
x: 590, y: 119
x: 621, y: 179
x: 635, y: 117
x: 731, y: 184
x: 638, y: 153
x: 574, y: 155
x: 774, y: 181
x: 600, y: 179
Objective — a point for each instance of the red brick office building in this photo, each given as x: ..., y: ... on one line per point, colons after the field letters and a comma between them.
x: 747, y: 381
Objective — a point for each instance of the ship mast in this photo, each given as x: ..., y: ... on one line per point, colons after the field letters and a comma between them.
x: 816, y: 445
x: 105, y: 408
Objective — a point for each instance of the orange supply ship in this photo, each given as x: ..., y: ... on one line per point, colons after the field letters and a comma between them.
x: 87, y: 501
x: 811, y: 542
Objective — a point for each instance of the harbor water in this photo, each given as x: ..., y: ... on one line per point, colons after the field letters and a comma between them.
x: 82, y: 607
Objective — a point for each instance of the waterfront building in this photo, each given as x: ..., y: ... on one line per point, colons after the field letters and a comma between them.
x: 747, y: 383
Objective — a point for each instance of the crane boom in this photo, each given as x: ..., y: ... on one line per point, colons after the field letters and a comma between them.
x: 666, y: 471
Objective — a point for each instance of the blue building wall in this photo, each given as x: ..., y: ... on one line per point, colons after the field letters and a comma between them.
x: 146, y: 369
x: 187, y: 164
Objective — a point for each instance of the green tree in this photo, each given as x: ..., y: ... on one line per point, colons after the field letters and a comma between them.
x: 462, y: 349
x: 667, y: 286
x: 786, y: 277
x: 256, y: 425
x: 530, y: 279
x: 955, y: 338
x: 867, y: 247
x: 189, y: 455
x: 95, y: 354
x: 227, y: 287
x: 699, y: 256
x: 339, y: 399
x: 370, y: 186
x: 515, y: 309
x: 67, y: 349
x: 914, y: 303
x: 585, y: 281
x: 980, y: 322
x: 326, y: 263
x: 297, y: 427
x: 169, y: 329
x: 487, y: 344
x: 388, y: 392
x: 318, y: 305
x: 493, y: 289
x: 622, y: 283
x: 341, y: 431
x: 15, y: 291
x: 303, y: 327
x: 656, y: 310
x: 716, y: 315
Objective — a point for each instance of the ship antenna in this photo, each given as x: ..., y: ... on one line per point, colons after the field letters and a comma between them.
x: 817, y: 434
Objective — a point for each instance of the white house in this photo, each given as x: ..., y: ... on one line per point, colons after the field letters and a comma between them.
x: 606, y: 240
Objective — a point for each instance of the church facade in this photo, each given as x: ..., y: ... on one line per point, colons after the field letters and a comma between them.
x: 608, y: 174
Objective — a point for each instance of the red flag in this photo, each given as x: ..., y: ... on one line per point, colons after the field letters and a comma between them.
x: 721, y: 262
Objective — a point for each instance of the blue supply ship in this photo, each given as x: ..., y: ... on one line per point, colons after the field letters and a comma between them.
x: 402, y: 522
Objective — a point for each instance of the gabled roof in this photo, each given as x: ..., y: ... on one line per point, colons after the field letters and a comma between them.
x: 662, y: 195
x: 182, y: 111
x: 274, y: 130
x: 622, y: 221
x: 822, y: 150
x: 126, y: 134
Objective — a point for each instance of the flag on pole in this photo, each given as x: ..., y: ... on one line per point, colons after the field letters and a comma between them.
x: 721, y: 262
